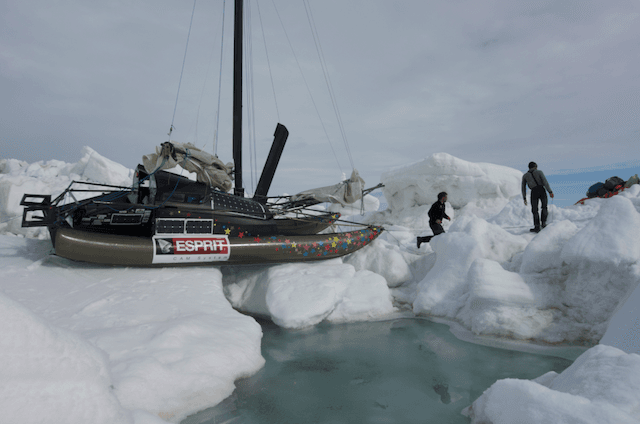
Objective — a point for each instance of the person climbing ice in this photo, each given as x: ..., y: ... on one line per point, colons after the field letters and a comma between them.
x: 436, y: 214
x: 537, y: 182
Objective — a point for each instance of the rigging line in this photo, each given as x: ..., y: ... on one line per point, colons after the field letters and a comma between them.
x: 248, y: 53
x: 252, y: 151
x: 394, y: 237
x: 182, y: 71
x: 264, y: 39
x: 215, y: 133
x: 204, y: 86
x: 10, y: 219
x: 323, y: 64
x: 307, y: 85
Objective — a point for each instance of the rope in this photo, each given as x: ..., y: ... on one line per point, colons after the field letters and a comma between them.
x: 215, y: 133
x: 307, y: 217
x: 316, y: 39
x: 167, y: 199
x: 10, y: 219
x: 307, y: 85
x: 264, y: 39
x: 392, y: 236
x: 204, y: 86
x: 171, y: 128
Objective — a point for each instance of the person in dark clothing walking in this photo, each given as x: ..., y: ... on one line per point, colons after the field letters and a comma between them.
x: 436, y: 214
x: 537, y: 182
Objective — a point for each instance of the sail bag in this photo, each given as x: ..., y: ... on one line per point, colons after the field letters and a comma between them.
x: 207, y: 167
x: 346, y: 192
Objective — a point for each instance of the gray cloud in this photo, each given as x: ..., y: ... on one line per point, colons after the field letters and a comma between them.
x: 493, y: 81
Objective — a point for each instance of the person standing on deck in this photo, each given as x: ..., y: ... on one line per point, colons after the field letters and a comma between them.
x: 537, y: 182
x: 436, y: 214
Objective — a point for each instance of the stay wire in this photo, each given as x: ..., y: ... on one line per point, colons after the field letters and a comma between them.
x: 264, y: 39
x: 184, y: 60
x: 204, y: 86
x: 323, y: 64
x: 307, y: 85
x: 248, y: 53
x: 215, y: 133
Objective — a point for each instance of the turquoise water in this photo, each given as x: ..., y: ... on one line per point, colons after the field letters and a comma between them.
x: 400, y: 371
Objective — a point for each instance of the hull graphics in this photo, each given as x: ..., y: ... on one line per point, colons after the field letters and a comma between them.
x: 167, y: 250
x: 190, y: 249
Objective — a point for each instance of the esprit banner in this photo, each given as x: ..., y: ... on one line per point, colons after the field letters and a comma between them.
x: 190, y: 248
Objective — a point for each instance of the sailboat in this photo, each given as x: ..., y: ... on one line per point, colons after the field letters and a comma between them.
x: 169, y: 219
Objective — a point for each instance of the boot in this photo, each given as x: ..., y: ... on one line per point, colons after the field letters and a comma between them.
x: 421, y: 240
x: 535, y: 230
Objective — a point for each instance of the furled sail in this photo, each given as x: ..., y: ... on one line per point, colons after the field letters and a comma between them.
x: 346, y: 192
x: 207, y: 167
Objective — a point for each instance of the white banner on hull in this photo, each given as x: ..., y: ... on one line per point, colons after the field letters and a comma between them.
x: 183, y: 248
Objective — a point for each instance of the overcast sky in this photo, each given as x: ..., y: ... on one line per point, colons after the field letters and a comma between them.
x: 500, y: 81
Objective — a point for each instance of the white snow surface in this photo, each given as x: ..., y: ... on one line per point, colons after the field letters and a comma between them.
x: 601, y: 386
x: 50, y: 177
x: 86, y: 343
x: 163, y: 341
x: 297, y: 295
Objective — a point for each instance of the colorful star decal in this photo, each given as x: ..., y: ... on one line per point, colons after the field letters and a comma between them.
x: 317, y: 245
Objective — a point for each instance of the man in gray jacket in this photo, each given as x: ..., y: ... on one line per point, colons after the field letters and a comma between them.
x: 537, y: 182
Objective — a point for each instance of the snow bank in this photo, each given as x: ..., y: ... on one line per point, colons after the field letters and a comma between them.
x: 611, y: 238
x: 623, y: 330
x: 477, y: 186
x: 601, y: 386
x: 302, y: 295
x: 601, y: 264
x: 490, y: 273
x: 149, y: 345
x: 562, y: 284
x: 164, y: 341
x: 52, y: 375
x: 385, y: 259
x: 442, y: 291
x: 501, y: 303
x: 50, y: 177
x: 543, y: 252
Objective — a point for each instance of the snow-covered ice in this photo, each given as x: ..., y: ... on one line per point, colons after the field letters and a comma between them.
x: 297, y: 295
x: 601, y: 386
x: 86, y: 343
x: 165, y: 341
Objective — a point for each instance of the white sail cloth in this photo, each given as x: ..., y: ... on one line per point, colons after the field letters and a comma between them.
x: 346, y: 192
x: 207, y: 167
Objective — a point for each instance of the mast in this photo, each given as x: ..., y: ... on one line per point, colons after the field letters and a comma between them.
x: 237, y: 98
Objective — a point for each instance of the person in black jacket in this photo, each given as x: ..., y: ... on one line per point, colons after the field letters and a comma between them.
x: 436, y: 214
x: 538, y: 183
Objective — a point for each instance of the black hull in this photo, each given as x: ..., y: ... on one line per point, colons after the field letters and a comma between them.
x: 185, y: 222
x: 122, y: 250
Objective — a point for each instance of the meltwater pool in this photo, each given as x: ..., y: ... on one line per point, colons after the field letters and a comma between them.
x: 399, y: 371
